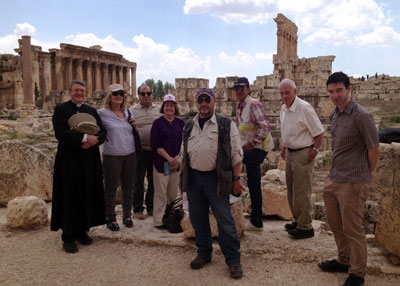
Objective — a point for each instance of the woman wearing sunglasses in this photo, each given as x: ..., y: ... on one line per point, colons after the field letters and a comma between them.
x: 166, y: 140
x: 119, y: 156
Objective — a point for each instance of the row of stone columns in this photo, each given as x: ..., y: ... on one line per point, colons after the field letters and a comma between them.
x: 97, y: 75
x: 287, y: 44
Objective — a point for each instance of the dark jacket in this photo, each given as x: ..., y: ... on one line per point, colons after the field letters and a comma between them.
x: 78, y: 195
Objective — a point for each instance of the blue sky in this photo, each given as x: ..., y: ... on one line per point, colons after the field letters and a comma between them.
x: 210, y: 38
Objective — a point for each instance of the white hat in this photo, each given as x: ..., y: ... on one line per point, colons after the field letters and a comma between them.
x: 169, y: 97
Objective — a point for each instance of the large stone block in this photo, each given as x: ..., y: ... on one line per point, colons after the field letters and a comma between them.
x: 181, y: 94
x: 180, y: 83
x: 237, y: 214
x: 24, y: 170
x: 220, y: 82
x: 221, y: 94
x: 270, y: 94
x: 192, y: 83
x: 275, y: 202
x: 388, y: 178
x: 27, y: 212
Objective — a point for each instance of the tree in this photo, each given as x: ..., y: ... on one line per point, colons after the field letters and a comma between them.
x: 159, y: 89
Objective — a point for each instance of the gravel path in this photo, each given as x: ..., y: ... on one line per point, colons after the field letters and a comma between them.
x: 36, y: 258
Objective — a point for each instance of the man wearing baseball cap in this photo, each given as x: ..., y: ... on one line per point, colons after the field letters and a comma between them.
x: 212, y: 159
x: 256, y: 141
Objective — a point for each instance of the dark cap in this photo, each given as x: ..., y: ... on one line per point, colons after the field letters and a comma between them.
x: 206, y: 91
x: 241, y: 81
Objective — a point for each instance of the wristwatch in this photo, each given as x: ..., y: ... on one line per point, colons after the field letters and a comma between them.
x: 235, y: 178
x: 315, y: 149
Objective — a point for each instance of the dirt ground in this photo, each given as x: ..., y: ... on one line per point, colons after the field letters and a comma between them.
x: 147, y: 256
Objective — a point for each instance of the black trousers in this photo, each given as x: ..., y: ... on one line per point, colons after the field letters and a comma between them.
x: 144, y: 167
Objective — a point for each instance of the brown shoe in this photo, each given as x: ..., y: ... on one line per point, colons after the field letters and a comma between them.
x: 236, y: 271
x: 199, y: 262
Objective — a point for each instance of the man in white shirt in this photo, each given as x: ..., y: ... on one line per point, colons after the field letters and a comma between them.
x: 301, y: 133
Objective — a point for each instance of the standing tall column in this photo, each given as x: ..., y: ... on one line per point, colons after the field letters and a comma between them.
x: 106, y: 82
x: 59, y: 73
x: 121, y: 76
x: 69, y: 70
x: 133, y: 81
x: 280, y: 48
x: 89, y: 77
x: 47, y: 76
x: 97, y: 76
x: 113, y: 74
x: 27, y: 70
x: 79, y: 72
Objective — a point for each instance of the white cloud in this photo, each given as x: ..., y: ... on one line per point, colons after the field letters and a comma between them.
x: 338, y: 22
x: 24, y: 29
x: 8, y: 43
x: 154, y: 60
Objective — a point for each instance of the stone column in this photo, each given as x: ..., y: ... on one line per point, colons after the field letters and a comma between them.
x: 97, y: 76
x: 69, y: 70
x: 113, y: 74
x: 133, y: 81
x: 279, y: 51
x: 121, y: 77
x: 79, y: 72
x: 59, y: 73
x: 47, y: 76
x: 27, y: 70
x: 89, y: 77
x: 106, y: 82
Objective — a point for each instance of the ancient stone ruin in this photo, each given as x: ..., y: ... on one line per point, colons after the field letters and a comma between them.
x: 37, y: 78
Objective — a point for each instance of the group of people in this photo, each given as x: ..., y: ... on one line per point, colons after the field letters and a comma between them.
x: 205, y: 156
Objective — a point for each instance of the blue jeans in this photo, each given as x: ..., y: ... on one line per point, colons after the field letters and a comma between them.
x: 252, y: 159
x: 202, y: 194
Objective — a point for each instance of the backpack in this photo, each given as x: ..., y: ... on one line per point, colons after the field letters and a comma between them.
x: 173, y: 216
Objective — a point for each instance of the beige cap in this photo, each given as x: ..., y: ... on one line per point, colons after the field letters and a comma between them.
x: 84, y: 123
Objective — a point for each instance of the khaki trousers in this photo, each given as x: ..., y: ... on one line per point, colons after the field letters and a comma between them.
x: 344, y: 205
x: 298, y: 182
x: 166, y: 189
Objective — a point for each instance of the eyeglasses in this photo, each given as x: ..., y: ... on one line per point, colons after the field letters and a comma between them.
x: 206, y: 99
x: 118, y: 93
x: 146, y: 93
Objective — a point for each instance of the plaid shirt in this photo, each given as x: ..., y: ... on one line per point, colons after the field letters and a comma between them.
x: 258, y: 117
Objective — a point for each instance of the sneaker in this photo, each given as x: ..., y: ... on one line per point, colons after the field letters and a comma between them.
x: 139, y: 216
x: 251, y: 227
x: 333, y: 266
x: 85, y: 239
x: 199, y: 262
x: 354, y: 280
x: 236, y: 271
x: 301, y: 233
x: 70, y: 247
x: 291, y: 226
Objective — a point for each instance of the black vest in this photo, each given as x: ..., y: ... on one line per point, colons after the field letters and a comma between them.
x: 223, y: 164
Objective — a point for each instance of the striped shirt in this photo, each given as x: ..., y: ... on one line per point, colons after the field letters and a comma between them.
x: 353, y: 133
x: 258, y: 117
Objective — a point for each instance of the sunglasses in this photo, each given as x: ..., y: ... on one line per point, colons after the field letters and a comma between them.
x: 146, y: 93
x: 201, y: 100
x: 118, y: 93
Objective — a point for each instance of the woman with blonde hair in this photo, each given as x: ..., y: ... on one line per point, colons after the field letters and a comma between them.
x: 119, y: 155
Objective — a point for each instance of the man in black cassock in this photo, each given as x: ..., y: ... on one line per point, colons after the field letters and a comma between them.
x: 78, y: 194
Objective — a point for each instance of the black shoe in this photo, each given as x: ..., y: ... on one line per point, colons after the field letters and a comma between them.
x: 333, y: 266
x: 236, y: 271
x: 354, y: 280
x: 291, y: 226
x: 112, y: 225
x: 199, y: 262
x: 85, y: 239
x: 160, y: 226
x: 300, y: 233
x: 128, y: 222
x: 70, y: 247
